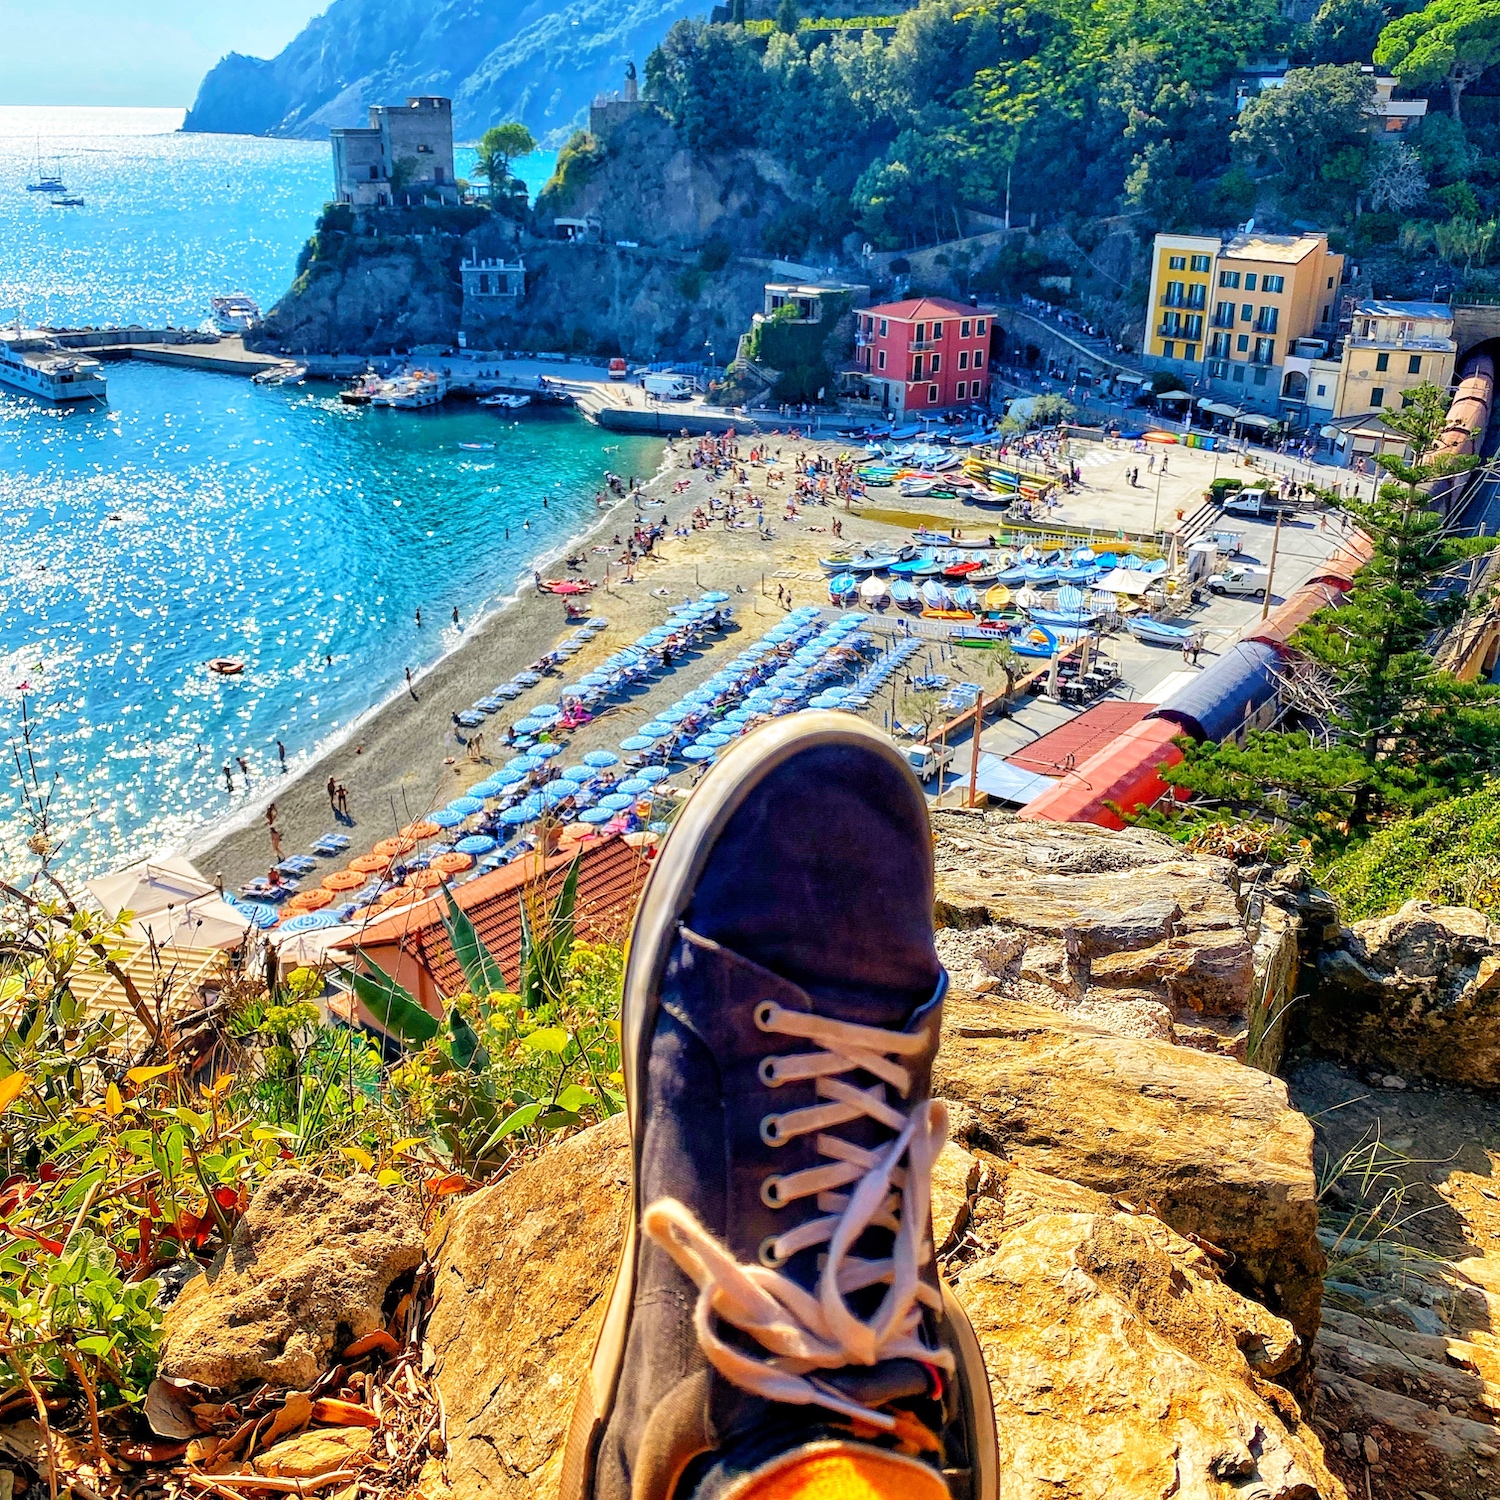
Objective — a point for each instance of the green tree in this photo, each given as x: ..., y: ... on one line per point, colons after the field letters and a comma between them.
x: 1301, y: 126
x: 786, y: 18
x: 737, y: 14
x: 499, y: 146
x: 1449, y: 41
x: 1345, y: 31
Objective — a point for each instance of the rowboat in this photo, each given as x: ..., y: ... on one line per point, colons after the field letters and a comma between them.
x: 875, y: 593
x: 906, y: 595
x: 935, y: 596
x: 1161, y: 633
x: 997, y: 598
x: 842, y: 586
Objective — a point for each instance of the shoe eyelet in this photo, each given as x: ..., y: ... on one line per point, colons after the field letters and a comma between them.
x: 768, y: 1074
x: 764, y: 1013
x: 770, y: 1131
x: 770, y: 1193
x: 768, y: 1256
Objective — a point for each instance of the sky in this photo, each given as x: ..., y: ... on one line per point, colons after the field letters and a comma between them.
x: 134, y: 52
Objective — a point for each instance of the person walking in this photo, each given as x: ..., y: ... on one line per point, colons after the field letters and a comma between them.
x: 276, y: 843
x: 343, y: 796
x: 332, y: 795
x: 228, y: 779
x: 281, y: 754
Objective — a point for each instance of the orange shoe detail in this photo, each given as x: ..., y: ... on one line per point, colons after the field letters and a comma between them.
x: 845, y: 1472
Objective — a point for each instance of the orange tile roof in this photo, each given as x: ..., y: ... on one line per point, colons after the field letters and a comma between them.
x: 926, y: 307
x: 610, y: 876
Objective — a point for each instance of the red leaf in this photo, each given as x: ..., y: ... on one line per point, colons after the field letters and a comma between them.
x: 49, y: 1172
x: 226, y: 1197
x: 52, y: 1247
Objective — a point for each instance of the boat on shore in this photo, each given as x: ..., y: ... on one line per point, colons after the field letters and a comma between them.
x: 237, y: 312
x: 504, y: 402
x: 1163, y: 633
x: 37, y: 365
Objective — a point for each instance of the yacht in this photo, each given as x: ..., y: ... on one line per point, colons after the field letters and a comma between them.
x: 32, y: 362
x: 235, y: 313
x: 412, y: 390
x: 47, y: 180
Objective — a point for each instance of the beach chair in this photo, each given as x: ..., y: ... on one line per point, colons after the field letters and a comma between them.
x: 331, y: 844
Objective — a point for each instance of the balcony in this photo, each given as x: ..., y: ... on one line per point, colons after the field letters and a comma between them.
x: 921, y: 346
x: 1415, y: 344
x: 864, y: 340
x: 1195, y: 303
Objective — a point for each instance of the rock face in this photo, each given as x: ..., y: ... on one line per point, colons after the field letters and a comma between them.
x: 1125, y: 928
x: 1211, y: 1147
x: 1417, y: 992
x: 1121, y: 1362
x: 307, y: 1271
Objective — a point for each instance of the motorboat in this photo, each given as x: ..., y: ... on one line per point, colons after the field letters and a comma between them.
x: 235, y: 313
x: 362, y: 392
x: 37, y: 365
x: 505, y: 402
x: 1163, y: 632
x: 412, y: 391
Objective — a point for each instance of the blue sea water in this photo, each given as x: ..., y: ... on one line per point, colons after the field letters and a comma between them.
x: 200, y: 515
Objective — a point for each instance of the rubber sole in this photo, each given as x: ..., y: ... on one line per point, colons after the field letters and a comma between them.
x: 667, y: 894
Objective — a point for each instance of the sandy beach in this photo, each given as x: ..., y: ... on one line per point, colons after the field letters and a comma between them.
x: 406, y: 759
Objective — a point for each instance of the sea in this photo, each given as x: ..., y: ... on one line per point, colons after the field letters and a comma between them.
x: 199, y: 515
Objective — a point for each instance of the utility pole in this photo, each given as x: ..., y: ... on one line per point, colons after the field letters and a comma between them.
x: 974, y: 756
x: 1265, y: 608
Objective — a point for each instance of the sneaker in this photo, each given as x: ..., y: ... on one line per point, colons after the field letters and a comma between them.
x: 777, y: 1321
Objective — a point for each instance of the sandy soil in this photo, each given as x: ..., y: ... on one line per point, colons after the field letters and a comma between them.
x: 406, y: 759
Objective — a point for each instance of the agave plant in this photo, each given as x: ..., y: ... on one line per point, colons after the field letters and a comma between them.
x: 505, y: 1066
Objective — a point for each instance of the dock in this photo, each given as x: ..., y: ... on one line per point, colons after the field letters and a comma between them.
x: 222, y: 354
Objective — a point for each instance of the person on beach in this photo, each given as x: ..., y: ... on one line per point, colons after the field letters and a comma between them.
x: 276, y: 843
x: 228, y: 779
x: 343, y: 794
x: 281, y: 754
x: 244, y: 767
x: 455, y: 614
x: 332, y: 794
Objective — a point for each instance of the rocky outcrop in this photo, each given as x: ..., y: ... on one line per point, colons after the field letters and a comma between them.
x: 538, y: 64
x: 1415, y: 993
x: 307, y: 1272
x: 1120, y: 1361
x: 1211, y: 1147
x: 1126, y: 929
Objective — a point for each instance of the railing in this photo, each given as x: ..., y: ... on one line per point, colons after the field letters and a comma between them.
x: 1197, y: 304
x: 921, y: 346
x: 1426, y: 345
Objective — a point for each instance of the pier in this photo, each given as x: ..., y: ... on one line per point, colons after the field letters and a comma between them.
x: 222, y: 354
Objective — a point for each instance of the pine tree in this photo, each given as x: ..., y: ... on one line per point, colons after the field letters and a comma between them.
x: 786, y: 17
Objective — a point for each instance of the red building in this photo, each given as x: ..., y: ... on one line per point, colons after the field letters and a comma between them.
x: 921, y: 356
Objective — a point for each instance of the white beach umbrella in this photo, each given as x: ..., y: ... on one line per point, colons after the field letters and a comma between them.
x: 312, y: 948
x: 152, y: 885
x: 206, y: 922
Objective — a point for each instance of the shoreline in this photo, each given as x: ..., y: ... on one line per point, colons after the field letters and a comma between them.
x: 219, y: 846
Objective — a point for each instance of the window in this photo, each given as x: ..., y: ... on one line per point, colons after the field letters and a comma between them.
x: 1265, y: 351
x: 963, y: 390
x: 937, y: 363
x: 979, y: 360
x: 885, y: 327
x: 1190, y: 352
x: 1197, y: 295
x: 1266, y: 322
x: 484, y: 286
x: 1169, y: 350
x: 1322, y: 390
x: 1326, y: 311
x: 1249, y: 281
x: 1174, y: 296
x: 963, y: 359
x: 932, y: 395
x: 437, y: 173
x: 1414, y: 365
x: 921, y: 334
x: 1200, y: 264
x: 1377, y: 395
x: 964, y: 329
x: 1242, y: 343
x: 977, y: 389
x: 374, y: 174
x: 1273, y: 283
x: 1330, y: 283
x: 1229, y: 278
x: 1177, y: 263
x: 1192, y: 326
x: 980, y: 327
x: 1218, y: 346
x: 881, y: 364
x: 1224, y: 315
x: 937, y: 331
x: 916, y: 367
x: 1239, y: 374
x: 1382, y: 362
x: 1247, y: 311
x: 1261, y: 372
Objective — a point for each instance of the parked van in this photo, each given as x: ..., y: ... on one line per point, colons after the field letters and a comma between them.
x: 1251, y: 581
x: 1256, y: 503
x: 929, y: 760
x: 668, y: 387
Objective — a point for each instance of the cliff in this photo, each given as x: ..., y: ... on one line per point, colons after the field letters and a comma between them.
x: 498, y: 60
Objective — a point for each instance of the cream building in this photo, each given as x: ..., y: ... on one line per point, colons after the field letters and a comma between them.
x: 1392, y: 348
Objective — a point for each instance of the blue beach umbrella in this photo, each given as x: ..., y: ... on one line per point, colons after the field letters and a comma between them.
x: 699, y: 752
x: 595, y: 816
x: 652, y: 774
x: 580, y: 774
x: 466, y: 807
x: 714, y: 741
x: 637, y: 742
x: 601, y: 758
x: 714, y: 598
x: 491, y: 786
x: 547, y: 713
x: 311, y: 921
x: 616, y: 802
x: 522, y: 764
x: 476, y: 843
x: 529, y: 725
x: 513, y: 817
x: 534, y: 805
x: 546, y: 752
x: 262, y: 915
x: 635, y: 786
x: 656, y: 729
x: 445, y: 817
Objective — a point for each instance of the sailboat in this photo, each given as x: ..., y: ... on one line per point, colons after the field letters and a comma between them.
x: 47, y: 182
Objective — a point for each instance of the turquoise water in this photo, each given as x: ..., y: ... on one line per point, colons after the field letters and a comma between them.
x: 200, y: 515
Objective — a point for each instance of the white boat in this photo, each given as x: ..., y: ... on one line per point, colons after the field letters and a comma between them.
x: 875, y: 593
x: 412, y: 391
x: 48, y: 180
x: 1162, y: 633
x: 38, y: 365
x: 236, y: 313
x: 505, y: 403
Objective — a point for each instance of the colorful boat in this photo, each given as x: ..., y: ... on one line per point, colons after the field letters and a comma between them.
x: 935, y: 596
x: 997, y: 598
x: 842, y: 587
x: 1035, y: 640
x: 906, y: 595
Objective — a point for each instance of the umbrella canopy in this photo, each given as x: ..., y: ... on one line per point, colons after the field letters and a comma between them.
x: 150, y: 886
x: 558, y: 791
x: 546, y: 752
x: 580, y: 774
x: 615, y: 802
x: 311, y: 946
x: 595, y: 816
x: 712, y: 741
x: 452, y: 862
x: 346, y: 880
x: 533, y: 805
x: 548, y: 713
x: 421, y: 829
x: 476, y: 843
x: 208, y: 922
x: 601, y: 759
x: 635, y: 786
x: 311, y: 921
x: 522, y: 764
x: 637, y: 742
x: 714, y: 598
x: 652, y: 774
x: 529, y: 725
x: 513, y: 817
x: 262, y: 916
x: 698, y: 752
x: 445, y: 817
x: 491, y: 786
x: 394, y: 846
x: 465, y: 807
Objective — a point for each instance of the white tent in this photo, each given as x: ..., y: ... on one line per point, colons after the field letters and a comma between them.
x: 206, y: 922
x: 152, y: 885
x: 313, y: 948
x: 1127, y: 581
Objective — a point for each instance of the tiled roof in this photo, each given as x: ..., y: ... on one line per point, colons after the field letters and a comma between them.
x: 1069, y: 745
x: 610, y: 875
x: 926, y: 307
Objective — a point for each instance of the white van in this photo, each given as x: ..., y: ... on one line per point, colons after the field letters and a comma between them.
x: 1256, y: 503
x: 1251, y: 581
x: 668, y: 387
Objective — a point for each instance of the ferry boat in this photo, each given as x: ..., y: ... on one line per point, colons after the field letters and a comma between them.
x: 235, y: 313
x: 39, y: 366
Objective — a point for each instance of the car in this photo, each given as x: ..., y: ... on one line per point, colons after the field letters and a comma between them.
x: 1243, y: 581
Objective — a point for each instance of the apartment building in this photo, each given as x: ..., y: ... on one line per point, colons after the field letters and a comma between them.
x: 1391, y: 348
x: 920, y: 356
x: 1226, y: 314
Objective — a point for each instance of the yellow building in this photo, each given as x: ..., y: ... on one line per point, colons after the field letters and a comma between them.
x: 1226, y: 314
x: 1392, y: 348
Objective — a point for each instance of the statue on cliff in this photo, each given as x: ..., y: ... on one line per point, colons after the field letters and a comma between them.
x: 632, y: 88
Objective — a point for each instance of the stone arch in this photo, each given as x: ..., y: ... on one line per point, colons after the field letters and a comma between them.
x: 1294, y: 386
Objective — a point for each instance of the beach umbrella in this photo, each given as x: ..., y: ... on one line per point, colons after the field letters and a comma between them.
x: 534, y: 805
x: 656, y: 729
x: 546, y: 752
x: 580, y: 774
x: 346, y: 880
x: 312, y: 947
x: 546, y: 713
x: 529, y: 726
x: 595, y: 816
x: 637, y: 742
x: 616, y: 802
x: 445, y: 817
x: 714, y: 598
x: 465, y: 807
x: 601, y: 759
x: 699, y: 752
x: 522, y: 764
x: 452, y: 863
x: 594, y: 679
x: 310, y: 921
x: 714, y: 741
x: 421, y: 829
x: 150, y: 887
x: 558, y: 791
x: 207, y: 922
x: 635, y: 786
x: 673, y: 715
x: 263, y: 916
x: 652, y: 774
x: 513, y: 817
x: 476, y: 843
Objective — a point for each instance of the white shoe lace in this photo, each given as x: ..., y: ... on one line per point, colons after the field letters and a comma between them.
x: 809, y: 1332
